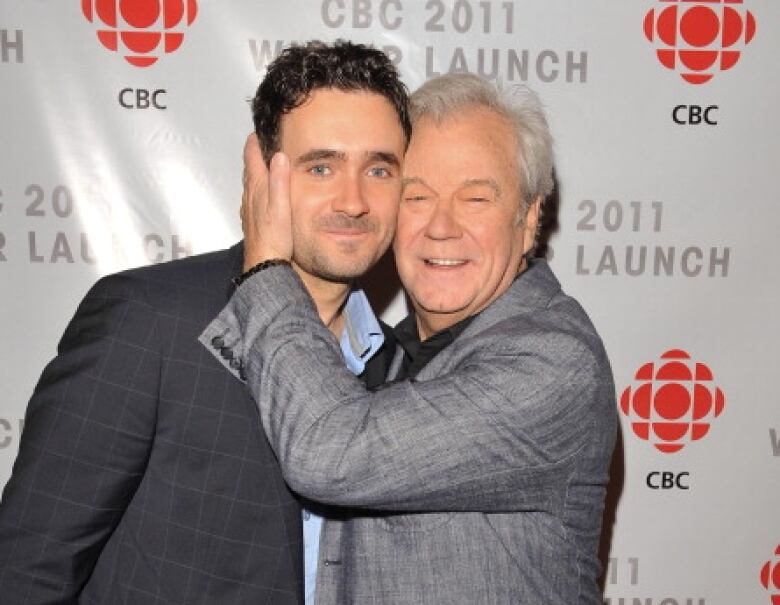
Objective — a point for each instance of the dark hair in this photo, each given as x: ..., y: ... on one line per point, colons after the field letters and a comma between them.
x: 299, y: 70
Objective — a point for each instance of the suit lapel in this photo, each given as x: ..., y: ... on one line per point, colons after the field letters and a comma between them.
x: 378, y: 367
x: 236, y: 263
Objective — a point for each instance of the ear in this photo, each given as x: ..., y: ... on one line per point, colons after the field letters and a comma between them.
x: 530, y: 224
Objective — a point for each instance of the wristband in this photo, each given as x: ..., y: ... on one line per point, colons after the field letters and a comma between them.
x: 271, y: 262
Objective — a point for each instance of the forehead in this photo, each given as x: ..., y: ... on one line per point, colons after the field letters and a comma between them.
x: 470, y: 143
x: 332, y: 118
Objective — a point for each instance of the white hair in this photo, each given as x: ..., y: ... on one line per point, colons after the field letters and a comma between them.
x: 444, y: 95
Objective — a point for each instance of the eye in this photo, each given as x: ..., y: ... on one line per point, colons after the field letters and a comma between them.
x: 381, y: 172
x: 415, y: 198
x: 319, y: 170
x: 476, y: 196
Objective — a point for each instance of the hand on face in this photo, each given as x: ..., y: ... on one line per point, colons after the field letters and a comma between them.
x: 266, y: 217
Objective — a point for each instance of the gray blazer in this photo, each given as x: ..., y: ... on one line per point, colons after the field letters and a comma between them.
x: 481, y: 481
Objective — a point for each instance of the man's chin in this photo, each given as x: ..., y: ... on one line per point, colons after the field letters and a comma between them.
x: 337, y: 277
x: 440, y: 306
x: 343, y: 272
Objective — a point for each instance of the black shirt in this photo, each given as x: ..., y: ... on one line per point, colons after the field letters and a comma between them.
x: 418, y: 353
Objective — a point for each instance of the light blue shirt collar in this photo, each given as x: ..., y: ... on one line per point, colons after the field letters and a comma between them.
x: 362, y: 336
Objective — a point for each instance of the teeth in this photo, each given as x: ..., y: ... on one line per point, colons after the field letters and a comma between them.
x: 445, y: 262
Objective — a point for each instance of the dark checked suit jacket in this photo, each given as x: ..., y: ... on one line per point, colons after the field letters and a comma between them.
x: 143, y: 474
x: 481, y: 481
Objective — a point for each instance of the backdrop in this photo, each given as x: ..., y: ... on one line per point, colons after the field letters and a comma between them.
x: 121, y: 129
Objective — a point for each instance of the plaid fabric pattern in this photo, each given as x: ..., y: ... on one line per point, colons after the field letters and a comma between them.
x: 143, y: 474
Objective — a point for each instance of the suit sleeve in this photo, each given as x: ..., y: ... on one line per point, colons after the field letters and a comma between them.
x: 502, y: 432
x: 86, y: 440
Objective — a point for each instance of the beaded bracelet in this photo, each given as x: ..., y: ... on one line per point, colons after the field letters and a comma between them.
x: 271, y: 262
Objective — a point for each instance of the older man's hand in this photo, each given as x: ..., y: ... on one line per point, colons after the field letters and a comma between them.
x: 265, y: 206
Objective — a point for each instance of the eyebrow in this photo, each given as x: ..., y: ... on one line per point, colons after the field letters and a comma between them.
x: 413, y: 180
x: 314, y: 155
x: 388, y: 157
x: 320, y: 154
x: 483, y: 183
x: 416, y: 180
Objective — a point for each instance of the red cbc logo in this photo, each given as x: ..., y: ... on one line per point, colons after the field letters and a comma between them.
x: 770, y: 577
x: 141, y: 30
x: 699, y: 37
x: 672, y: 401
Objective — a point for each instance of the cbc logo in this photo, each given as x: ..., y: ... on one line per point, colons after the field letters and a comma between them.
x: 697, y: 38
x: 141, y: 98
x: 141, y: 30
x: 770, y: 577
x: 672, y: 402
x: 668, y: 480
x: 695, y: 115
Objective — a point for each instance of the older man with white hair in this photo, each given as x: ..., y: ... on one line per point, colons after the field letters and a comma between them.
x: 478, y: 474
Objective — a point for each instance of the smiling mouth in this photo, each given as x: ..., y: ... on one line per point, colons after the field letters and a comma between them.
x: 444, y: 262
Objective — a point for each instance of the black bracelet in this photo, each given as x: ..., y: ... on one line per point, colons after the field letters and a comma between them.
x: 271, y: 262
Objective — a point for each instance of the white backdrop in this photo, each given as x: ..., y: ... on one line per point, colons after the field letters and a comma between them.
x: 668, y: 211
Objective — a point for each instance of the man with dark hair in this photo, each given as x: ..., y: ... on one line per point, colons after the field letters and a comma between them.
x: 344, y: 66
x: 143, y: 474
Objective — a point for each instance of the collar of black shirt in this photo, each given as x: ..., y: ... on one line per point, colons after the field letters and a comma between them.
x: 418, y: 353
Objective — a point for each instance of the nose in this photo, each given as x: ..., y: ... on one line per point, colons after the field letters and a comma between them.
x: 351, y: 200
x: 443, y: 224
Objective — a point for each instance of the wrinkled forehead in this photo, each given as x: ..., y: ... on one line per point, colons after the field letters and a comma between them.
x: 472, y: 145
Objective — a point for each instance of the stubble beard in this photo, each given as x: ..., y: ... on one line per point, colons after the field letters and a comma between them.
x: 345, y: 264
